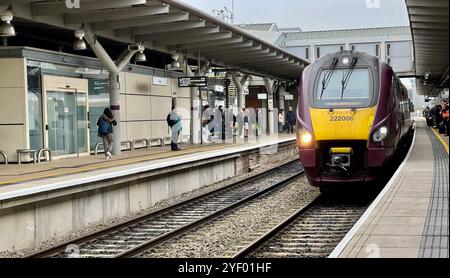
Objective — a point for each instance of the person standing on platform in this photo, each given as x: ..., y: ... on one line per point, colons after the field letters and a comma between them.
x: 105, y: 130
x: 174, y: 122
x: 240, y: 122
x: 291, y: 119
x: 246, y: 124
x: 222, y: 123
x: 281, y: 121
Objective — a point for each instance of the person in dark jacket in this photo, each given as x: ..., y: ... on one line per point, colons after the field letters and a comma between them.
x: 105, y: 130
x: 291, y: 120
x: 427, y: 115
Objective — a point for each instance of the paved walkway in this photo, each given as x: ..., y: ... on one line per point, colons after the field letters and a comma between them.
x: 410, y: 217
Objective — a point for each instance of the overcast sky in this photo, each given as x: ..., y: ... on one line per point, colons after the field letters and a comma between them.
x: 312, y: 15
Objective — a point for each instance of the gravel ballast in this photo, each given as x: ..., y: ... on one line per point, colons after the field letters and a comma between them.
x: 225, y: 236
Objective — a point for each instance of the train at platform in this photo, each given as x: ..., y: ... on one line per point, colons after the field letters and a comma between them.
x: 353, y: 112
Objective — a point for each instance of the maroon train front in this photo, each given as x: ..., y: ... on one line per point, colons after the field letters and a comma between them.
x: 352, y: 113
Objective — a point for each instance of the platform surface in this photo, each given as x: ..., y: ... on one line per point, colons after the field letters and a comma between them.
x: 410, y: 217
x: 21, y: 180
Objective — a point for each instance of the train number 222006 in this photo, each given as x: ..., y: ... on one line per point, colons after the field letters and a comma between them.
x: 341, y: 119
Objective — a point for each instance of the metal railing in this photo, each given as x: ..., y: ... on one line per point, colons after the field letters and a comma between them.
x: 97, y: 146
x: 160, y: 142
x: 128, y: 145
x: 5, y: 157
x: 26, y: 151
x: 137, y: 141
x: 167, y: 141
x: 45, y: 151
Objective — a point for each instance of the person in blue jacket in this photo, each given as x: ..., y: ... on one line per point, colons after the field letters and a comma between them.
x: 105, y: 130
x: 174, y: 122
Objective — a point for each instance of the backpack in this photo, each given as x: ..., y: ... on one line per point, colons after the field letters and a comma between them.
x: 103, y: 127
x: 170, y: 122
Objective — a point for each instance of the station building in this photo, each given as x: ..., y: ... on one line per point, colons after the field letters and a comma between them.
x: 52, y: 95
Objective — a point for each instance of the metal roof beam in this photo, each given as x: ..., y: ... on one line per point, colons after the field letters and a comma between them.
x: 431, y: 11
x: 267, y: 57
x: 245, y: 49
x: 178, y: 34
x: 115, y: 14
x: 139, y: 21
x: 429, y: 25
x: 209, y: 43
x: 161, y: 28
x: 192, y: 39
x: 228, y: 47
x: 427, y: 3
x: 57, y: 8
x: 428, y: 18
x: 251, y: 53
x: 261, y: 61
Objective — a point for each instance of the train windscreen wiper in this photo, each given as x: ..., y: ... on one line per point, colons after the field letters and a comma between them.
x: 347, y: 76
x: 327, y: 77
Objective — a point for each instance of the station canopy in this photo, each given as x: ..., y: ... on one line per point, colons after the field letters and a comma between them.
x: 168, y: 26
x: 429, y: 26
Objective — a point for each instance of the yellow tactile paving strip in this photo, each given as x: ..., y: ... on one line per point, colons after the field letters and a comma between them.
x: 442, y: 139
x: 13, y: 174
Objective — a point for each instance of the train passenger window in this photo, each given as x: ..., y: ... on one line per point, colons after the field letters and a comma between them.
x: 307, y: 53
x: 377, y: 50
x: 357, y: 94
x: 318, y: 52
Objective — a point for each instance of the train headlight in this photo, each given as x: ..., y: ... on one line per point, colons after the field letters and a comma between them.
x: 345, y: 60
x: 380, y: 134
x: 304, y: 138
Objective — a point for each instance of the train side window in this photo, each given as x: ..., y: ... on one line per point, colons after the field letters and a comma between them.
x: 353, y: 47
x: 318, y: 52
x: 377, y: 50
x: 342, y: 48
x: 307, y: 53
x: 388, y: 49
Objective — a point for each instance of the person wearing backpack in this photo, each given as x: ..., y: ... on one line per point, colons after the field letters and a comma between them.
x: 105, y: 130
x: 174, y: 122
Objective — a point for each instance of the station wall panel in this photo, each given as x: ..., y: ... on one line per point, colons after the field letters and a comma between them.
x: 11, y: 139
x: 138, y: 108
x: 12, y: 73
x: 12, y: 106
x: 138, y: 130
x: 137, y: 84
x: 160, y: 107
x: 123, y: 131
x: 184, y: 108
x: 123, y: 107
x: 160, y: 129
x: 161, y: 90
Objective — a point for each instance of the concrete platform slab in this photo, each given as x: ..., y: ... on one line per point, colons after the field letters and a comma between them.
x: 407, y: 219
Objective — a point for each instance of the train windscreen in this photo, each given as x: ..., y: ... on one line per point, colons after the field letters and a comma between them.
x: 344, y: 88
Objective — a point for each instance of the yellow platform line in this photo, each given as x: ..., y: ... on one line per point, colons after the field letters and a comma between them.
x: 111, y: 165
x: 440, y: 139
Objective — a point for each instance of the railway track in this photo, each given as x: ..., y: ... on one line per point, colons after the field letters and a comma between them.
x: 139, y: 234
x: 310, y: 232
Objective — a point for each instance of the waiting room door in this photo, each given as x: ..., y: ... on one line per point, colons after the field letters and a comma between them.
x: 66, y: 121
